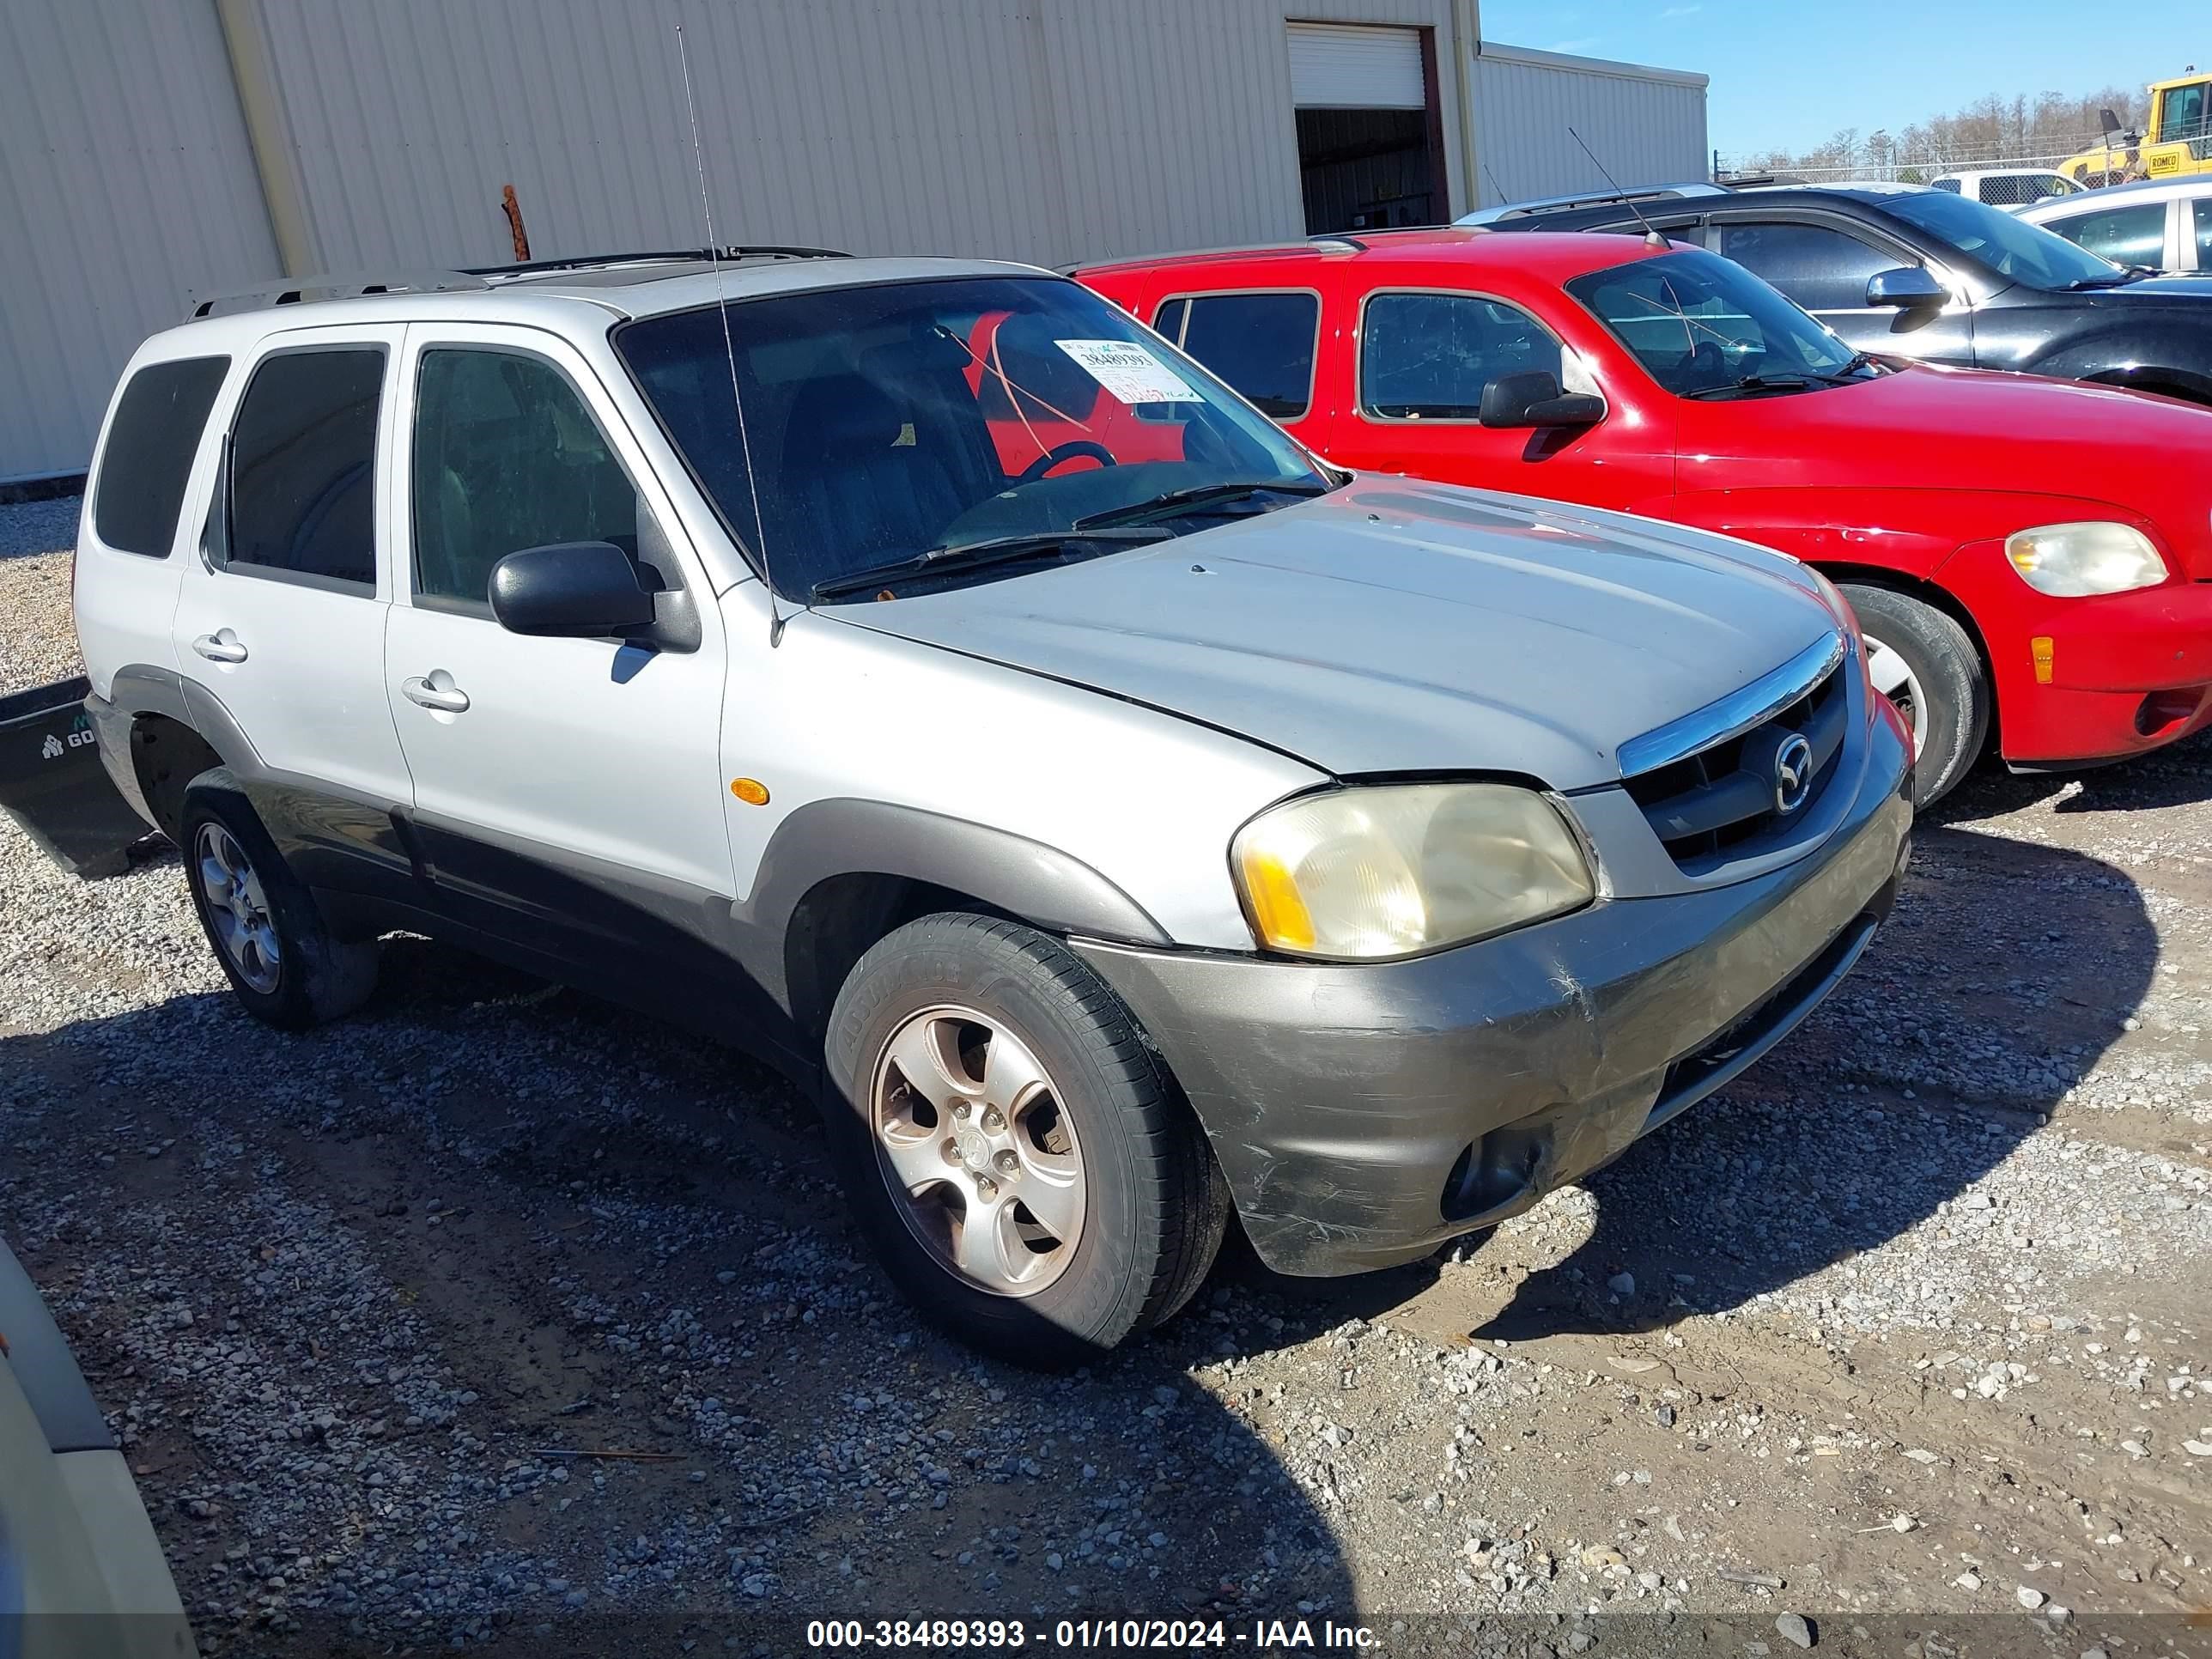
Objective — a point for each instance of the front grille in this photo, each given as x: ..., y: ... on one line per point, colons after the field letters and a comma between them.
x: 1722, y: 802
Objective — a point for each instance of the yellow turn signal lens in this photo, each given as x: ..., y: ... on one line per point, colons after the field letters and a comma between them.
x: 2044, y: 651
x: 1279, y: 914
x: 751, y: 791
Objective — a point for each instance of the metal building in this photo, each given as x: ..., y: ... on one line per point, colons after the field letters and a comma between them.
x: 151, y: 151
x: 1643, y: 125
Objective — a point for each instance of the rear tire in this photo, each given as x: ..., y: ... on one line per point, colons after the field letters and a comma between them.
x: 977, y: 1065
x: 262, y: 924
x: 1926, y: 663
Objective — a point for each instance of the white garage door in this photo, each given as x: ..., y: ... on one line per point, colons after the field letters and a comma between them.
x: 1347, y: 66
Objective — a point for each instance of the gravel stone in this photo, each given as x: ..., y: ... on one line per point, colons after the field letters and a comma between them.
x: 1944, y: 1252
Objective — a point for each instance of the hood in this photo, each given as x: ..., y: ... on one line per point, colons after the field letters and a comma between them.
x: 2036, y: 447
x: 1397, y: 626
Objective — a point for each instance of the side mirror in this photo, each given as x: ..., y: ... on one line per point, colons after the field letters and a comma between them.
x: 577, y: 590
x: 1533, y: 398
x: 1909, y: 288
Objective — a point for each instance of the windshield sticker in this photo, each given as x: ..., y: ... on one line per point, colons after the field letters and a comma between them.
x: 1129, y: 372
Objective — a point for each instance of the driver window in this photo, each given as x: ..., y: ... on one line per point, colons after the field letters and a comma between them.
x: 506, y: 456
x: 1821, y: 269
x: 2126, y: 236
x: 1428, y: 356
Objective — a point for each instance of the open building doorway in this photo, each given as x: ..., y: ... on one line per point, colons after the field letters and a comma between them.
x: 1370, y: 142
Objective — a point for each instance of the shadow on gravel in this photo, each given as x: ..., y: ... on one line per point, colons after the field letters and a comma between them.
x: 489, y: 1217
x: 2007, y: 970
x: 2179, y: 776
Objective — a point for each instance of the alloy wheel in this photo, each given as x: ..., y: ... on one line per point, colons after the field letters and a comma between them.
x: 1894, y: 677
x: 238, y: 908
x: 979, y: 1153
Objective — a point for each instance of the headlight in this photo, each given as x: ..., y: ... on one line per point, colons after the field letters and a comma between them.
x: 2073, y: 560
x: 1389, y: 870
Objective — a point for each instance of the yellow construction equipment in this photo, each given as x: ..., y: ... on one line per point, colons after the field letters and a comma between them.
x: 2177, y: 142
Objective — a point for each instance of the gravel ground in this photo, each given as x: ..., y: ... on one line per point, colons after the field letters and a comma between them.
x: 1906, y: 1331
x: 40, y: 641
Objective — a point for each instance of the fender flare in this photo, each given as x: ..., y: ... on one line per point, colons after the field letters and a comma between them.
x: 824, y: 840
x: 140, y: 689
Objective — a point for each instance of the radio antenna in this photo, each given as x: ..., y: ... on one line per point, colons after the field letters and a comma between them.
x: 1503, y: 199
x: 729, y: 347
x: 1650, y: 236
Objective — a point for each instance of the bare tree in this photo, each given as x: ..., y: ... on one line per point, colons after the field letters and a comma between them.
x: 1990, y: 130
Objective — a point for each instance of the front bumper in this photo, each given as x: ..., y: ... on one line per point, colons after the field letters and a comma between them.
x: 1363, y: 1114
x: 2128, y: 672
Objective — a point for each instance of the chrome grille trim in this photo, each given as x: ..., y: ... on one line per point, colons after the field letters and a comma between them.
x: 1735, y: 713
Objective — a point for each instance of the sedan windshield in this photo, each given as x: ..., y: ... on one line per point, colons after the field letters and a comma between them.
x: 949, y: 428
x: 2009, y: 247
x: 1704, y: 326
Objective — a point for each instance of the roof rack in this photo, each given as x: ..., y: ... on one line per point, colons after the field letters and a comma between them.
x: 731, y: 253
x: 300, y: 290
x: 1588, y: 198
x: 1336, y: 242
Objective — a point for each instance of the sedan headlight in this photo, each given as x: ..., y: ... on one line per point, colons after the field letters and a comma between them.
x: 2072, y: 561
x: 1391, y: 870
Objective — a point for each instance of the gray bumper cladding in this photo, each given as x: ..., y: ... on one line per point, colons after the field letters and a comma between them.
x: 1363, y: 1114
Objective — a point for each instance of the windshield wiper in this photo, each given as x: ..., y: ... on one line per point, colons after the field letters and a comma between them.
x: 999, y: 549
x: 1755, y: 383
x: 2127, y: 274
x: 1198, y: 495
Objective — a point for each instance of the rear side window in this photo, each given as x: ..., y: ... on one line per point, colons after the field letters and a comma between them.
x: 2126, y: 236
x: 1261, y: 344
x: 507, y: 456
x: 150, y: 445
x: 1427, y: 356
x: 1821, y: 269
x: 303, y: 465
x: 2203, y: 210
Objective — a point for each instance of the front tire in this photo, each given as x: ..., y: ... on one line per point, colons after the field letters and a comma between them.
x: 1925, y: 663
x: 1017, y: 1153
x: 280, y: 956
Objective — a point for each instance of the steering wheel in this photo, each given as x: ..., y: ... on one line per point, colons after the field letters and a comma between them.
x: 1061, y: 454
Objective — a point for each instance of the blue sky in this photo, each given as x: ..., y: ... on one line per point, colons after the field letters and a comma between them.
x: 1780, y: 79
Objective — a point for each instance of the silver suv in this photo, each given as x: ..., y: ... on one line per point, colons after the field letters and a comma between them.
x: 920, y: 673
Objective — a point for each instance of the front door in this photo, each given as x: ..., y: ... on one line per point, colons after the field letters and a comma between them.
x: 281, y: 618
x: 1826, y: 267
x: 1421, y: 361
x: 568, y: 795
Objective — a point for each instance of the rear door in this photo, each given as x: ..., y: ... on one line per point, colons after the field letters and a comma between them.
x: 1264, y: 342
x: 280, y: 618
x: 1823, y: 263
x: 568, y: 791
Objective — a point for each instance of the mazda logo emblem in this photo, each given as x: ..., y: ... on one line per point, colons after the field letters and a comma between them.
x: 1793, y: 773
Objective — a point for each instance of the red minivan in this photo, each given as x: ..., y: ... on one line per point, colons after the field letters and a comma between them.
x: 2029, y: 558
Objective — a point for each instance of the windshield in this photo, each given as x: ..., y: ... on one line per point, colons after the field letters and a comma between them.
x: 899, y: 422
x: 2011, y: 248
x: 1702, y: 324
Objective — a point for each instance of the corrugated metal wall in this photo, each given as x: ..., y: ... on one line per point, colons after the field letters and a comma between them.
x: 125, y: 181
x: 1048, y: 129
x: 1648, y: 126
